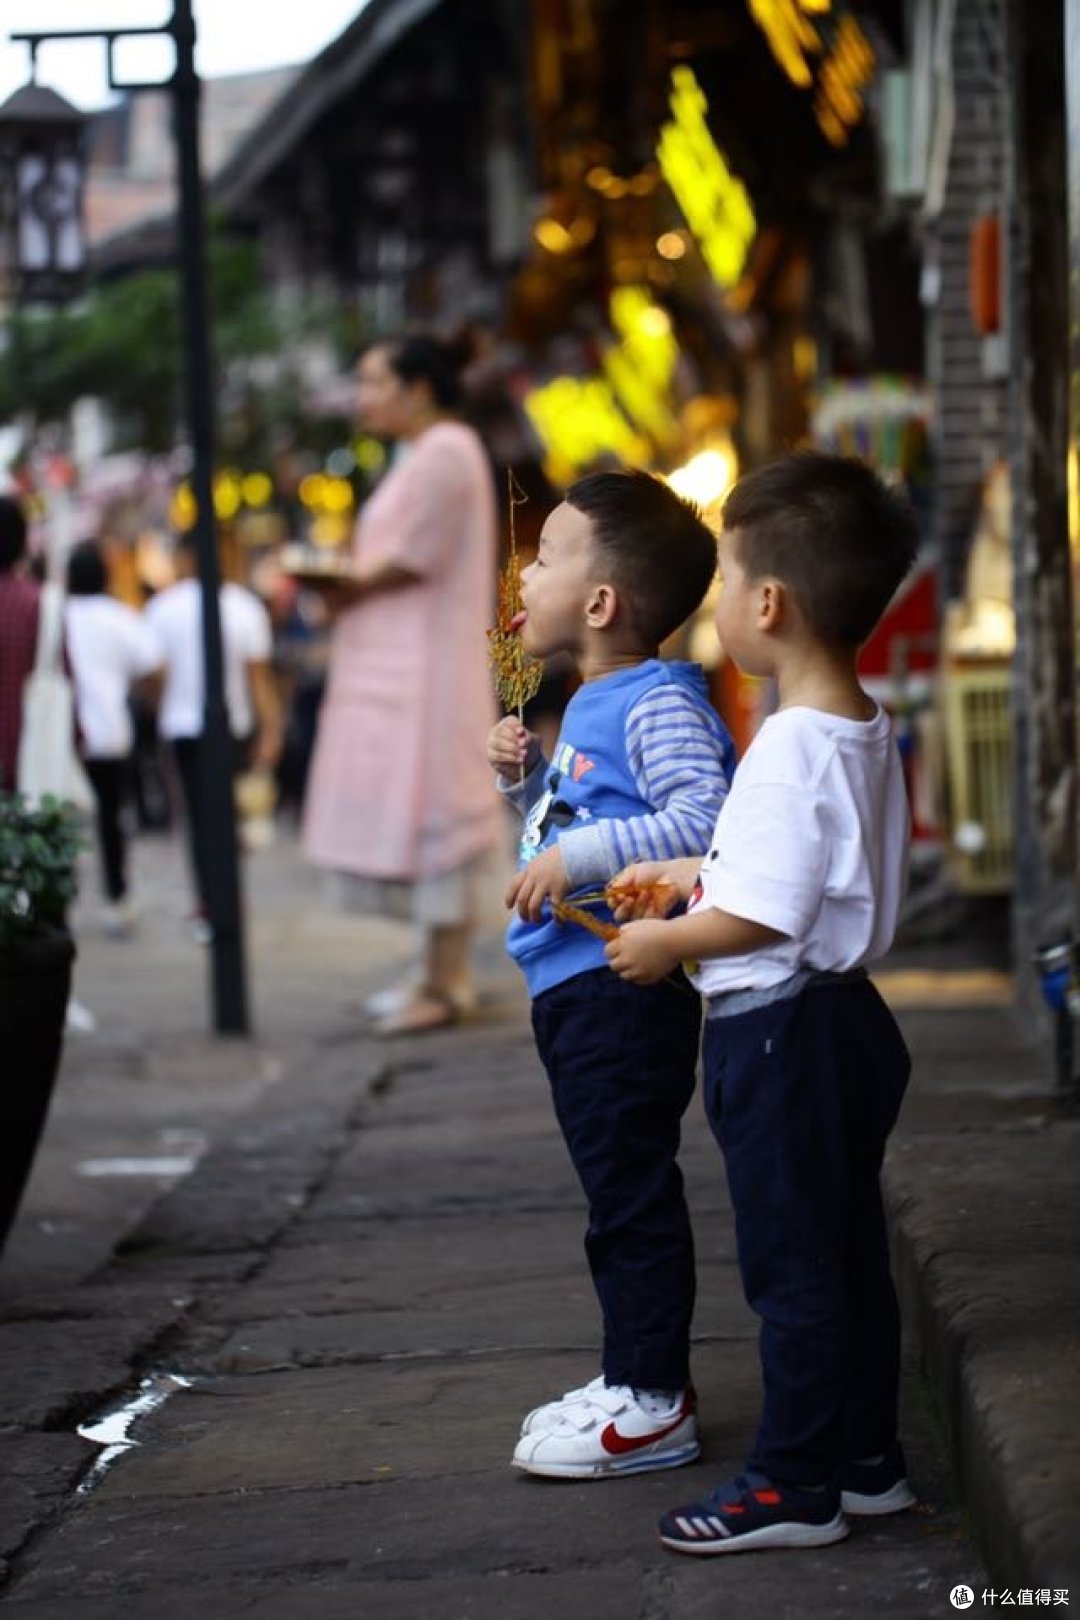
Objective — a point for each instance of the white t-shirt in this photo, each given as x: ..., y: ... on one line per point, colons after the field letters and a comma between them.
x: 812, y: 840
x: 175, y: 616
x: 109, y: 647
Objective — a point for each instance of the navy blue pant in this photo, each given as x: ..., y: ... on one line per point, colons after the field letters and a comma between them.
x: 801, y: 1096
x: 622, y: 1061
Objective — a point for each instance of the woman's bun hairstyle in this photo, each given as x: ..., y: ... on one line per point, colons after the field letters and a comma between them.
x: 420, y: 357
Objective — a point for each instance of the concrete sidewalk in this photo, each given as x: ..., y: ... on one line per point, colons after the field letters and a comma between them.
x: 376, y: 1270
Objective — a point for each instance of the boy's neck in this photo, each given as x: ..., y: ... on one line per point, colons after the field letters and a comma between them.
x: 816, y: 677
x: 599, y: 657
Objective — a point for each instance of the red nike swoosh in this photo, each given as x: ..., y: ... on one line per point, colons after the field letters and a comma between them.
x: 619, y: 1444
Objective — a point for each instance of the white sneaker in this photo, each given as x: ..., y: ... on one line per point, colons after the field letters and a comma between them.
x: 542, y: 1416
x: 610, y: 1431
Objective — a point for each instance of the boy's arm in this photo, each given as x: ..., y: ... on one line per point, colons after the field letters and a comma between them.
x: 646, y: 952
x: 524, y: 794
x: 681, y: 761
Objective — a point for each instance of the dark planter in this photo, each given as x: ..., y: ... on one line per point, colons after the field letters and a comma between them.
x: 35, y: 978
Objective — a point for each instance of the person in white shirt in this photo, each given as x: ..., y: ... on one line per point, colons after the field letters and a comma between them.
x: 805, y: 1066
x: 110, y: 648
x: 251, y: 696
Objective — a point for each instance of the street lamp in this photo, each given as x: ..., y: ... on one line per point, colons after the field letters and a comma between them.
x: 45, y: 185
x: 42, y: 251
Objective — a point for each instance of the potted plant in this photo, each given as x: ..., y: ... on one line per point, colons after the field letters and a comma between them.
x: 39, y: 844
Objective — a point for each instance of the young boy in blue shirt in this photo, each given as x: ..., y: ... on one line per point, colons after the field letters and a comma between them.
x: 640, y: 770
x: 805, y: 1067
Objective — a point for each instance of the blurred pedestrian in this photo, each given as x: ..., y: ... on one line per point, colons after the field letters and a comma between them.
x: 20, y: 612
x: 400, y: 797
x: 111, y: 648
x: 20, y: 623
x: 251, y: 697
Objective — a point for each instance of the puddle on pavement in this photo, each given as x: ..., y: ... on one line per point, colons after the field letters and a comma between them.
x: 112, y: 1429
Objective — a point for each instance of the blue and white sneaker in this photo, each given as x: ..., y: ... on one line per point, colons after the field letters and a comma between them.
x: 749, y: 1513
x: 608, y: 1430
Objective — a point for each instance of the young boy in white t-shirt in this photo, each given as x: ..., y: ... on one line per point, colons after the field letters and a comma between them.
x: 805, y: 1067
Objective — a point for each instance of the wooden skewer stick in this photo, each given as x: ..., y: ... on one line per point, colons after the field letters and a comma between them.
x: 517, y: 676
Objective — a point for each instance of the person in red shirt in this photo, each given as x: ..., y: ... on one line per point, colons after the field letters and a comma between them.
x: 20, y: 609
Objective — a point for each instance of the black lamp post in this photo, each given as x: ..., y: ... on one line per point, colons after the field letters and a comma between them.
x: 41, y: 176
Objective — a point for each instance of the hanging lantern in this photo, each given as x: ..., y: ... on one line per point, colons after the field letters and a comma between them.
x: 985, y: 274
x: 42, y: 246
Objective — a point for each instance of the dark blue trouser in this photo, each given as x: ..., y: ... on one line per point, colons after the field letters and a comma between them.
x: 621, y: 1060
x: 801, y: 1096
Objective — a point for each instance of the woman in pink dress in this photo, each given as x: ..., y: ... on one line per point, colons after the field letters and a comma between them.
x: 400, y: 797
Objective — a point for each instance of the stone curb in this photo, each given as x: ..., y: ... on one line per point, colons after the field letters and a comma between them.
x: 997, y: 1378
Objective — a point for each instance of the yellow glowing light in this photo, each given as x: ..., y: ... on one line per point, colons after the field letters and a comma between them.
x: 671, y: 245
x: 311, y: 489
x: 183, y: 509
x: 257, y: 489
x: 640, y: 367
x: 844, y: 76
x: 707, y: 477
x: 715, y: 204
x: 579, y: 421
x: 337, y: 495
x: 228, y: 495
x: 552, y: 236
x: 646, y: 328
x: 790, y: 33
x: 598, y: 177
x: 842, y: 73
x: 804, y: 358
x: 655, y: 322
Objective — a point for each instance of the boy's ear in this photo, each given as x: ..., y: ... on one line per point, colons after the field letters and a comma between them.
x: 601, y: 607
x: 771, y: 604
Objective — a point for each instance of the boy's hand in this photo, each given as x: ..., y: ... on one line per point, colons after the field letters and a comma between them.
x: 649, y: 889
x: 543, y: 879
x: 643, y: 953
x: 510, y: 748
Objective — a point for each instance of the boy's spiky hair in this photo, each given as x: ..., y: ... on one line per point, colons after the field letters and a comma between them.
x: 829, y: 529
x: 654, y: 546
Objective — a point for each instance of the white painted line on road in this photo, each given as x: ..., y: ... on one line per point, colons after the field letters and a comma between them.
x: 163, y: 1165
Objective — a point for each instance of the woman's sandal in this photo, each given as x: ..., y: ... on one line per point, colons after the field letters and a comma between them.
x: 426, y: 1012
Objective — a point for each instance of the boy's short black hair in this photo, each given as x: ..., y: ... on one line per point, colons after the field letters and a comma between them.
x: 828, y: 528
x: 658, y: 551
x: 86, y: 571
x: 12, y: 533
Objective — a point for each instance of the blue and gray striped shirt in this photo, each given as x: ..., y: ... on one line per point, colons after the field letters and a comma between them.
x: 639, y: 773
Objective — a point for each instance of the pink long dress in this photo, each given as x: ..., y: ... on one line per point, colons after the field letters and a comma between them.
x: 400, y: 787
